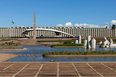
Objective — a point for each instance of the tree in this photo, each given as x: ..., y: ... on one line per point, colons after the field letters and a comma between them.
x: 113, y: 26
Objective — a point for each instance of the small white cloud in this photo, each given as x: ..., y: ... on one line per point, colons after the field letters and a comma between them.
x: 106, y: 23
x: 86, y: 25
x: 59, y: 25
x: 68, y: 24
x: 77, y: 25
x: 113, y: 22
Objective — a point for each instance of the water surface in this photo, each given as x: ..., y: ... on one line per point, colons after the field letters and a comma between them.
x: 40, y: 50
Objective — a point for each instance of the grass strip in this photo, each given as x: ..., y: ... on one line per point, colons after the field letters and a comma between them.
x: 57, y: 41
x: 67, y: 44
x: 11, y: 37
x: 80, y: 53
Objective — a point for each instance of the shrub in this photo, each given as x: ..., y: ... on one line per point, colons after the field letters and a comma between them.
x: 3, y: 44
x: 9, y: 44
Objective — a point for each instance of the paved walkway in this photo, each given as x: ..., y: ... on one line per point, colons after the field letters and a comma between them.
x: 58, y: 69
x: 6, y: 56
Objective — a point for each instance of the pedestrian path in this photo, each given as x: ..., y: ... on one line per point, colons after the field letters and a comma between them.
x: 58, y: 69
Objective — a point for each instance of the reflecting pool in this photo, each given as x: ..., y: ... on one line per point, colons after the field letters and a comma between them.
x: 33, y: 55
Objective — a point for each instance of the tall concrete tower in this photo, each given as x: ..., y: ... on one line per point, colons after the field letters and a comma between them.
x: 34, y: 28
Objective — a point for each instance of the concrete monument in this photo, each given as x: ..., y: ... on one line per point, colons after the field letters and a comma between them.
x: 90, y: 43
x: 111, y: 43
x: 107, y: 44
x: 85, y: 43
x: 93, y: 43
x: 76, y: 42
x: 79, y: 39
x: 34, y: 27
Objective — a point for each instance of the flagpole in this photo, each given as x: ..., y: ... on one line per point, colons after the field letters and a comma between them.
x: 11, y: 29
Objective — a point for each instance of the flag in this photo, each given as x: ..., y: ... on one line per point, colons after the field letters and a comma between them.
x: 12, y: 22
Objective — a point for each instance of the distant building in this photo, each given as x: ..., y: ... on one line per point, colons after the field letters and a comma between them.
x: 65, y: 31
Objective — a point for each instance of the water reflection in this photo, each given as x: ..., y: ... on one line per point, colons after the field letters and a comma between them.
x: 36, y: 50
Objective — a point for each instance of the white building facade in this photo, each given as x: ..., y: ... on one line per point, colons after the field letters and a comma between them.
x: 75, y: 31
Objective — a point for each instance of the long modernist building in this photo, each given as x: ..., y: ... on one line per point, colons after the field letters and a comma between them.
x: 58, y: 32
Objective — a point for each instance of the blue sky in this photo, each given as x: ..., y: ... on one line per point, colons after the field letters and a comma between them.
x: 57, y: 12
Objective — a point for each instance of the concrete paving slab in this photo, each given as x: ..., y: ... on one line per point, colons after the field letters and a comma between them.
x: 56, y: 69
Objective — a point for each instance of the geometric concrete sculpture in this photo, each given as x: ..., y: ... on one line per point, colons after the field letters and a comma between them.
x: 79, y: 39
x: 105, y: 38
x: 85, y: 43
x: 88, y: 38
x: 88, y: 41
x: 88, y: 45
x: 76, y: 42
x: 93, y: 43
x: 100, y: 44
x: 111, y: 42
x: 106, y: 43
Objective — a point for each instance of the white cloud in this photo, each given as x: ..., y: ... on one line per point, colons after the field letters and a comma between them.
x: 86, y: 25
x: 113, y: 22
x: 78, y: 25
x: 68, y: 24
x: 106, y: 23
x: 59, y: 25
